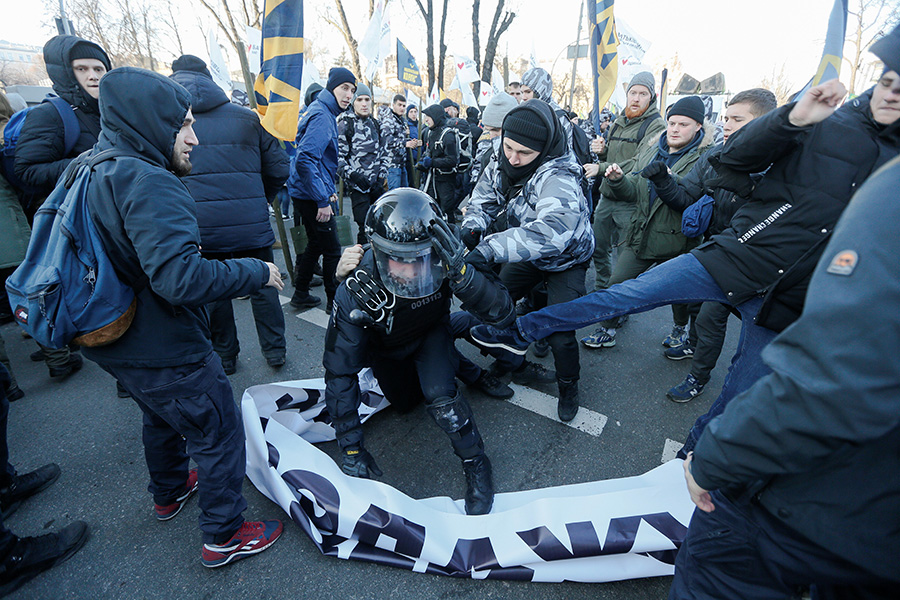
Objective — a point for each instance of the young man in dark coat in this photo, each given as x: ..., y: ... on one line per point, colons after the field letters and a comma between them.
x: 237, y: 169
x: 145, y: 218
x: 439, y: 161
x: 774, y: 240
x: 75, y: 67
x: 796, y: 482
x: 311, y: 183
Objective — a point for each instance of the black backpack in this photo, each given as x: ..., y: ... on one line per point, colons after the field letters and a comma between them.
x: 581, y: 145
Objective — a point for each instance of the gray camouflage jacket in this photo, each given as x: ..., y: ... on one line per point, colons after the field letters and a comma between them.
x: 359, y: 151
x: 394, y: 135
x: 549, y: 220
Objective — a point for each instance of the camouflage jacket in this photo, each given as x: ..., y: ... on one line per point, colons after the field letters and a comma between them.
x: 394, y: 135
x: 549, y: 219
x: 359, y: 151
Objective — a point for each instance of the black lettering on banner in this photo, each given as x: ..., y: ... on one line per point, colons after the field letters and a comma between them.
x: 327, y: 500
x: 376, y: 522
x: 475, y: 554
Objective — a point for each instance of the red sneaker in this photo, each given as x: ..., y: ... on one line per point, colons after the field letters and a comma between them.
x: 253, y: 537
x: 164, y: 513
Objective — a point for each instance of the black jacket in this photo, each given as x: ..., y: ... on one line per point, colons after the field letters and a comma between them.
x: 147, y: 222
x: 441, y: 145
x: 822, y: 432
x: 814, y: 172
x: 236, y: 168
x: 680, y: 193
x: 40, y: 151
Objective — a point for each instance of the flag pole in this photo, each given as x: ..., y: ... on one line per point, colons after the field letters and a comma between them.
x: 577, y: 54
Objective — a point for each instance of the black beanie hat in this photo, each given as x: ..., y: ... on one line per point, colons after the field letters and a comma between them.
x: 447, y: 103
x: 189, y: 62
x: 337, y: 76
x: 86, y: 49
x: 527, y: 128
x: 690, y: 106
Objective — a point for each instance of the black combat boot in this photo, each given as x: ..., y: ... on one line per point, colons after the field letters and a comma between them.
x: 568, y: 399
x: 479, y: 485
x: 357, y: 462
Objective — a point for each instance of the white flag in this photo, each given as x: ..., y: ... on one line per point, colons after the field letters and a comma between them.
x: 455, y: 85
x: 377, y: 41
x: 468, y: 97
x: 435, y: 96
x: 413, y: 99
x: 533, y: 61
x: 254, y: 48
x: 217, y: 67
x: 371, y: 40
x: 487, y: 92
x: 466, y: 71
x: 632, y: 46
x: 310, y: 76
x: 497, y: 82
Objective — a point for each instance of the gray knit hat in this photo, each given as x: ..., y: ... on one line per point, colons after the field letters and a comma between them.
x: 497, y: 109
x: 646, y: 79
x: 540, y: 83
x: 362, y: 90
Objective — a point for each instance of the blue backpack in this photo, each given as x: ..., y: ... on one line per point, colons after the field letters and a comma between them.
x: 696, y: 218
x: 14, y: 128
x: 67, y: 290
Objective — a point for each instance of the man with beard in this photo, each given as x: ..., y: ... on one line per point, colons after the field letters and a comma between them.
x: 145, y: 219
x: 639, y: 121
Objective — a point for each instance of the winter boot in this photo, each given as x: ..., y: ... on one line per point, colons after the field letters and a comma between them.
x: 479, y: 485
x: 568, y: 399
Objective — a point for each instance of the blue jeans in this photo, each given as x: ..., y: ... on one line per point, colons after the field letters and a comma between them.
x: 741, y: 551
x: 680, y: 280
x: 397, y: 177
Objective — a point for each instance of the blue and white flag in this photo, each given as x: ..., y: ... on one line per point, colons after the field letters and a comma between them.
x: 407, y: 69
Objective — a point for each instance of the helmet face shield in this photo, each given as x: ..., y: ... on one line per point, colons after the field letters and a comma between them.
x: 408, y: 270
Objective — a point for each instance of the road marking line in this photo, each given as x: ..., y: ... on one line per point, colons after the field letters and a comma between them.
x: 670, y: 449
x: 316, y: 316
x: 586, y: 420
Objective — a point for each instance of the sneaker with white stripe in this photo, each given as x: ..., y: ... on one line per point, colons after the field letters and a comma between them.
x: 252, y: 538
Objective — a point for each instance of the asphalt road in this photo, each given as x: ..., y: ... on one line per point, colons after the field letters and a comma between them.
x: 95, y: 437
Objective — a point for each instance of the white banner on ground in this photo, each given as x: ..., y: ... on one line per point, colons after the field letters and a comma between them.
x: 588, y: 532
x: 217, y: 67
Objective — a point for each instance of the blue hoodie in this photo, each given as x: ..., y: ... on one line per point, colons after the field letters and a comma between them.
x: 147, y: 222
x: 236, y: 168
x: 314, y: 167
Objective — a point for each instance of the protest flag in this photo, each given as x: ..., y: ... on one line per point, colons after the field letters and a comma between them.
x: 833, y: 52
x: 663, y: 91
x: 407, y: 69
x: 278, y: 86
x: 604, y: 59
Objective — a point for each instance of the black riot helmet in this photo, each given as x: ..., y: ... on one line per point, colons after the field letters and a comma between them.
x: 397, y: 227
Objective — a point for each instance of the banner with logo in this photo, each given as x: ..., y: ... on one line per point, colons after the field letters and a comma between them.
x: 587, y: 532
x: 407, y: 69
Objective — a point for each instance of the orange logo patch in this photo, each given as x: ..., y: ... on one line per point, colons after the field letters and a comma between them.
x: 843, y: 263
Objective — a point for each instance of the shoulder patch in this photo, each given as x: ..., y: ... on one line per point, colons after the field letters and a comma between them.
x: 843, y: 263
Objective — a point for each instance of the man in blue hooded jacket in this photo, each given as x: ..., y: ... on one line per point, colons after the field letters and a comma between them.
x: 147, y: 222
x: 312, y: 185
x: 235, y: 171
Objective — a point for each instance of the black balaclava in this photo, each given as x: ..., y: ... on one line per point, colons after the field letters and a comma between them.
x: 533, y: 125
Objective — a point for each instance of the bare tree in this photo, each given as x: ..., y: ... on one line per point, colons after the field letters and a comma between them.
x: 428, y: 15
x: 441, y: 45
x: 779, y: 84
x: 502, y: 20
x: 249, y: 15
x: 868, y: 21
x: 342, y: 25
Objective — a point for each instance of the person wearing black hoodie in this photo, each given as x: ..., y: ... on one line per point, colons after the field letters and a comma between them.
x: 146, y: 220
x: 236, y: 170
x: 75, y: 67
x: 439, y: 161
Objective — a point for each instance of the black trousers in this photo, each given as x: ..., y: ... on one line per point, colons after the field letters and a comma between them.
x: 520, y: 278
x: 322, y: 241
x: 361, y: 201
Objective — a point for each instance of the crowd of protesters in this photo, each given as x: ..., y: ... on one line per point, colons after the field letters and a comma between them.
x: 742, y: 216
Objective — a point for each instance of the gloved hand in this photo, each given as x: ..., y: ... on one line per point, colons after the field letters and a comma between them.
x: 358, y: 180
x: 357, y: 462
x: 477, y: 259
x: 380, y: 184
x: 655, y: 171
x: 727, y: 178
x: 449, y: 248
x: 470, y: 237
x: 424, y: 164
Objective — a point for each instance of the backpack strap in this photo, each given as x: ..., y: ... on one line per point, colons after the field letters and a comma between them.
x: 70, y: 122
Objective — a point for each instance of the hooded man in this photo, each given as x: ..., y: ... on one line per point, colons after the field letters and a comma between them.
x: 536, y: 83
x: 439, y: 160
x: 75, y: 67
x: 535, y: 186
x: 311, y: 184
x: 361, y: 161
x: 237, y: 170
x: 145, y: 219
x: 638, y: 122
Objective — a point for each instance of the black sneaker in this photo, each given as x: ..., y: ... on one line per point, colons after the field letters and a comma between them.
x: 32, y: 556
x: 276, y: 362
x: 479, y: 485
x: 541, y: 348
x: 14, y: 393
x: 510, y: 339
x: 37, y: 356
x: 25, y: 486
x: 530, y: 373
x: 491, y: 386
x: 302, y: 301
x: 229, y: 365
x: 121, y: 392
x: 74, y: 363
x: 567, y: 407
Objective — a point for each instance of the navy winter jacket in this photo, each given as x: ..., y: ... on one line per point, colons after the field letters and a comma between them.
x: 147, y: 222
x: 236, y: 168
x: 314, y: 167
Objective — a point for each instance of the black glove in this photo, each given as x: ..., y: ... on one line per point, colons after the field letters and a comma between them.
x: 655, y: 171
x: 470, y: 237
x: 381, y: 184
x: 449, y: 248
x: 477, y: 259
x: 729, y: 179
x: 357, y: 462
x: 358, y: 180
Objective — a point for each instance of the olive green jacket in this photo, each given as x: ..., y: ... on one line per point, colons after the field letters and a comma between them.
x: 623, y: 143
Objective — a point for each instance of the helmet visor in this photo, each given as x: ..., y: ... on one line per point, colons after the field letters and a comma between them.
x: 408, y: 270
